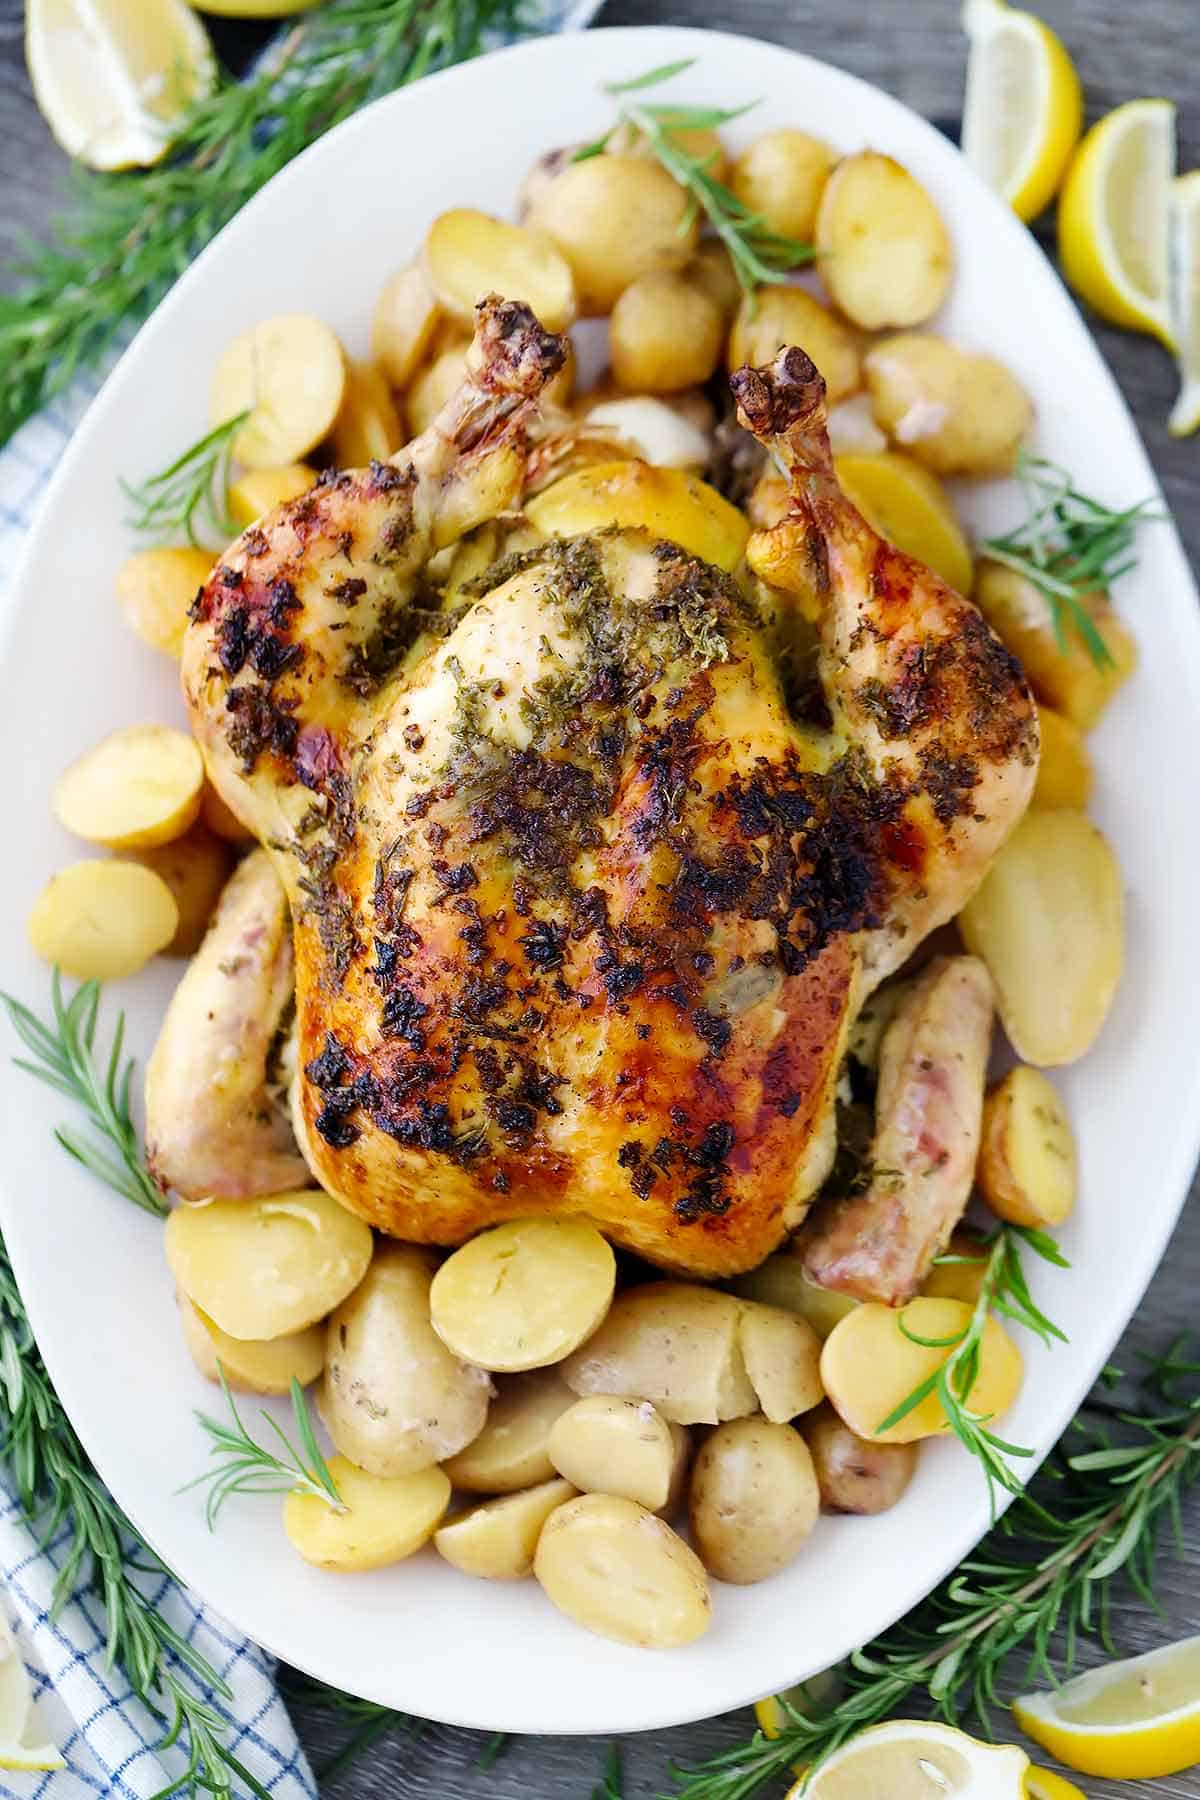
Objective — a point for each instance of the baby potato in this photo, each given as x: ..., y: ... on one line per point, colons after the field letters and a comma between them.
x: 854, y: 1474
x: 1049, y: 922
x: 882, y: 249
x: 782, y: 175
x: 383, y: 1521
x: 1028, y: 1169
x: 259, y: 491
x: 606, y: 1445
x: 433, y: 386
x: 468, y: 254
x: 781, y: 1282
x: 960, y: 1276
x: 910, y: 507
x: 289, y: 374
x: 753, y: 1499
x: 402, y: 326
x: 525, y: 1293
x: 136, y: 788
x: 511, y: 1451
x: 665, y: 333
x: 782, y: 1354
x: 394, y: 1398
x: 195, y: 868
x: 668, y: 503
x: 673, y: 1344
x: 497, y: 1539
x: 1062, y: 672
x: 700, y: 141
x: 368, y: 428
x: 773, y: 318
x: 712, y: 270
x: 268, y: 1367
x: 155, y: 588
x: 621, y: 1572
x: 221, y: 820
x: 266, y: 1267
x: 101, y: 921
x: 955, y: 411
x: 1064, y: 776
x: 869, y: 1367
x: 614, y: 218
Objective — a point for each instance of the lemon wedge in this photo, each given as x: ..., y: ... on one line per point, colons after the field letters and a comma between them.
x: 917, y: 1759
x: 1130, y: 1720
x: 1113, y: 217
x: 1045, y: 1784
x: 1023, y: 110
x: 16, y: 1711
x: 114, y: 77
x: 1185, y: 301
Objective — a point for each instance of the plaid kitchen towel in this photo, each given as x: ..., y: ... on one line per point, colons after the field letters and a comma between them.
x: 109, y: 1739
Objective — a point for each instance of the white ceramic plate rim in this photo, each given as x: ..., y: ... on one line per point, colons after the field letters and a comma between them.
x: 516, y: 1677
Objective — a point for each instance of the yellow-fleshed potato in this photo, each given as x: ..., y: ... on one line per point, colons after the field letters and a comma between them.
x: 102, y: 921
x: 1064, y: 776
x: 959, y: 1272
x: 497, y: 1539
x: 259, y: 491
x: 614, y: 218
x: 665, y: 333
x: 289, y: 374
x: 368, y: 427
x: 405, y: 318
x: 432, y: 387
x: 469, y: 254
x: 882, y: 249
x: 1028, y: 1168
x: 782, y: 1354
x: 510, y: 1452
x: 700, y: 141
x: 774, y: 318
x: 385, y: 1518
x: 668, y: 503
x: 221, y: 821
x: 910, y: 507
x: 1049, y: 922
x: 782, y: 175
x: 673, y: 1344
x: 870, y: 1367
x: 266, y: 1367
x: 853, y: 1474
x: 266, y: 1267
x: 781, y: 1282
x: 394, y: 1398
x: 712, y: 270
x: 195, y: 868
x: 524, y: 1294
x: 155, y: 588
x: 956, y: 411
x: 136, y: 788
x: 608, y: 1445
x: 621, y: 1572
x: 1062, y: 672
x: 753, y: 1499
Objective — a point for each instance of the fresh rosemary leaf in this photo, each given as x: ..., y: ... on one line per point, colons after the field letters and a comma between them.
x: 652, y: 77
x: 610, y: 1786
x: 244, y: 1466
x: 194, y: 488
x: 498, y: 1745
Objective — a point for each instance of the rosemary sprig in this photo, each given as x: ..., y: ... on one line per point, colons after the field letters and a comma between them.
x: 758, y: 253
x: 1069, y: 546
x: 130, y: 235
x: 1003, y: 1290
x: 1049, y: 1565
x: 610, y: 1786
x: 245, y: 1466
x: 195, y: 486
x: 65, y: 1058
x: 369, y: 1720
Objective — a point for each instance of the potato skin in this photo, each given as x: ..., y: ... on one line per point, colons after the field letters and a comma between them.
x: 673, y: 1344
x: 753, y: 1499
x: 614, y: 218
x: 782, y: 175
x: 853, y: 1474
x: 955, y: 411
x: 607, y: 1445
x: 665, y: 334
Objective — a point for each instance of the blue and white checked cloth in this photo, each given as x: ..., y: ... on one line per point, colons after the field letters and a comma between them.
x: 108, y: 1737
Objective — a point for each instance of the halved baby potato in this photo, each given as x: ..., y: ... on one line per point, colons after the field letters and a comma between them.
x: 910, y: 507
x: 773, y: 318
x: 1028, y: 1169
x: 782, y: 1354
x: 781, y: 1282
x: 266, y: 1267
x: 524, y: 1294
x: 195, y: 867
x: 870, y: 1366
x: 954, y: 410
x: 674, y: 1344
x: 613, y: 218
x: 883, y: 251
x: 856, y: 1474
x: 498, y: 1539
x: 668, y: 503
x: 620, y: 1571
x: 136, y: 788
x: 511, y: 1451
x: 221, y: 820
x: 402, y: 327
x: 289, y: 374
x: 433, y: 385
x: 265, y: 1367
x: 1060, y: 666
x: 665, y: 333
x: 781, y: 175
x: 102, y: 921
x: 607, y: 1445
x: 367, y: 428
x: 468, y: 255
x: 1064, y: 776
x: 155, y: 588
x: 384, y: 1519
x: 259, y: 491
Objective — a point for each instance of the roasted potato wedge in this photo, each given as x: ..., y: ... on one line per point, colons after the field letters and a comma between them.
x: 672, y: 1344
x: 1064, y: 776
x: 909, y: 506
x: 403, y: 324
x: 606, y: 1445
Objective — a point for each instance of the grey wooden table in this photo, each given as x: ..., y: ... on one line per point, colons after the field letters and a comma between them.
x: 915, y: 50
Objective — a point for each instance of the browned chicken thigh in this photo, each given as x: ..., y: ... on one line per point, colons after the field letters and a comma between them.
x: 581, y: 913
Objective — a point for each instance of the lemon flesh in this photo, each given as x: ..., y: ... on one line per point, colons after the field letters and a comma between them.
x: 908, y: 1759
x: 1023, y: 111
x: 16, y: 1711
x: 1113, y: 217
x: 1132, y: 1720
x: 1185, y: 301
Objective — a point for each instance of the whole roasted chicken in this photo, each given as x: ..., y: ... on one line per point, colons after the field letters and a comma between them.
x: 581, y: 912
